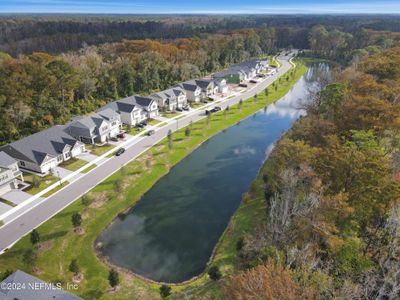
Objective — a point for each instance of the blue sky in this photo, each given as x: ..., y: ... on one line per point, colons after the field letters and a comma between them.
x: 200, y: 6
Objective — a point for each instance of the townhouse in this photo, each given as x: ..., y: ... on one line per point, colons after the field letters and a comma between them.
x: 96, y: 128
x: 134, y: 110
x: 9, y: 173
x: 192, y: 90
x: 171, y: 99
x: 44, y: 150
x: 243, y: 71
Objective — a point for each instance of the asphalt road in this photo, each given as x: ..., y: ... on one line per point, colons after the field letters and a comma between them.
x: 32, y: 218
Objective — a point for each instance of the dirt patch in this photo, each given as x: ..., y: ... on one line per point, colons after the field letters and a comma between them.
x: 37, y: 271
x: 44, y: 246
x: 79, y: 231
x: 78, y: 278
x: 99, y: 199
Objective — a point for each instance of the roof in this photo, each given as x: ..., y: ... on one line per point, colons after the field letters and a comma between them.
x: 143, y: 101
x: 203, y: 83
x: 36, y: 147
x: 108, y: 113
x: 92, y: 121
x: 6, y: 160
x: 34, y: 289
x: 190, y: 85
x: 169, y: 93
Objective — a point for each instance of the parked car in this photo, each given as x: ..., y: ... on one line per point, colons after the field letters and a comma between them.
x: 140, y: 125
x: 187, y: 107
x: 150, y: 132
x: 179, y: 109
x: 253, y: 81
x: 242, y: 85
x: 261, y: 75
x: 114, y: 139
x: 144, y: 123
x: 217, y: 108
x: 121, y: 135
x: 120, y: 151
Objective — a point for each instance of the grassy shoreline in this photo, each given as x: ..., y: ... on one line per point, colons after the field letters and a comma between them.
x: 61, y: 244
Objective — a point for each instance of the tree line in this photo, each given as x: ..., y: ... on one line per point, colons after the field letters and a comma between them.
x: 39, y: 90
x: 332, y: 190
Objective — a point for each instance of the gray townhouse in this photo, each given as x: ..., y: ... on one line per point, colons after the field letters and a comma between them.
x: 243, y: 71
x: 192, y: 90
x: 221, y: 85
x: 171, y: 99
x: 134, y: 109
x: 9, y: 173
x: 96, y: 128
x: 44, y: 150
x: 207, y: 86
x: 28, y: 287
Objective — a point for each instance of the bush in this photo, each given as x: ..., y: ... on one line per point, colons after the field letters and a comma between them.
x: 165, y: 291
x: 113, y: 278
x: 214, y: 273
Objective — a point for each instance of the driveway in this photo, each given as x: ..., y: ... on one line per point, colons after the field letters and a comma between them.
x: 16, y: 196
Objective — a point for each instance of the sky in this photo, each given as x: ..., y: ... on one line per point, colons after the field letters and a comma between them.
x: 202, y: 6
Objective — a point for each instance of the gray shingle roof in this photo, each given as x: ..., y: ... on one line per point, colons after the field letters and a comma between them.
x: 108, y: 114
x: 35, y: 147
x: 34, y: 289
x: 6, y: 160
x: 190, y: 85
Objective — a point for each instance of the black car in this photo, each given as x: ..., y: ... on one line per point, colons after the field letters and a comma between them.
x: 253, y: 81
x: 120, y: 151
x: 150, y: 132
x: 144, y: 123
x: 243, y: 85
x: 217, y: 108
x: 186, y: 108
x: 140, y: 125
x: 179, y: 109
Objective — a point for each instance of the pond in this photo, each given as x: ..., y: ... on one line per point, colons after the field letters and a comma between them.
x: 170, y: 234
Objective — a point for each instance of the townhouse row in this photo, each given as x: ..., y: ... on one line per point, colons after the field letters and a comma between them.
x: 43, y: 151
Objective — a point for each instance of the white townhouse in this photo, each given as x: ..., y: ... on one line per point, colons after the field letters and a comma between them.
x: 171, y: 99
x: 42, y: 151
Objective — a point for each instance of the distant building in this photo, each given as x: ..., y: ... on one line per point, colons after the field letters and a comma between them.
x: 9, y: 172
x: 22, y: 286
x: 244, y: 71
x: 44, y: 150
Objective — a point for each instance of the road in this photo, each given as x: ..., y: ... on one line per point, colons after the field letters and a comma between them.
x: 15, y: 229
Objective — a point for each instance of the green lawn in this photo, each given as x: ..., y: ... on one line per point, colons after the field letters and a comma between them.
x: 42, y: 182
x: 153, y: 122
x: 169, y: 114
x: 73, y: 164
x: 91, y: 167
x: 7, y: 202
x: 99, y: 150
x: 58, y: 187
x: 137, y: 177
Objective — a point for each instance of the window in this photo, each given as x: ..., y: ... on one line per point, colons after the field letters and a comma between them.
x: 22, y: 163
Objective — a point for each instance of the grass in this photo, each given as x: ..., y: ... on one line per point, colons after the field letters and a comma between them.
x: 43, y: 182
x: 153, y: 122
x: 91, y: 167
x: 170, y: 114
x: 73, y: 164
x: 8, y: 202
x: 58, y: 187
x: 137, y: 177
x: 99, y: 150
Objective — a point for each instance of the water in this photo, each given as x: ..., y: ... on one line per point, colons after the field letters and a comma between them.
x: 170, y: 234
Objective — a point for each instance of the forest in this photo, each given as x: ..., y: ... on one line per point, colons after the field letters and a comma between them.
x: 332, y: 191
x: 40, y: 89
